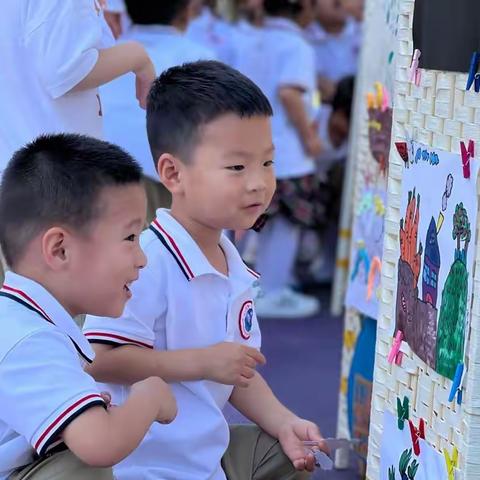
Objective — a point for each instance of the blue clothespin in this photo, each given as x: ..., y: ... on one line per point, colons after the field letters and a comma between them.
x: 476, y: 83
x: 456, y: 385
x: 473, y: 69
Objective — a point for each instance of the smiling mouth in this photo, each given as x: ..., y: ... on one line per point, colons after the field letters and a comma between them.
x: 126, y: 287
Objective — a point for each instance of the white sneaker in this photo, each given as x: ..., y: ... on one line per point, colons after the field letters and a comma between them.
x: 286, y: 304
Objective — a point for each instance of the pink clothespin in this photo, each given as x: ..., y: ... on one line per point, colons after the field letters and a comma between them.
x: 467, y: 155
x: 385, y: 99
x: 415, y: 73
x: 395, y: 353
x: 417, y: 434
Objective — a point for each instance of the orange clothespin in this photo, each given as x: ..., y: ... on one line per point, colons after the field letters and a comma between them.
x: 417, y: 434
x: 395, y: 353
x: 415, y: 73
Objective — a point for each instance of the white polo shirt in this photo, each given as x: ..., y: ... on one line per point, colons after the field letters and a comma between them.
x: 280, y: 56
x: 47, y: 47
x: 43, y: 386
x: 180, y: 301
x: 336, y: 56
x: 214, y: 33
x: 124, y: 120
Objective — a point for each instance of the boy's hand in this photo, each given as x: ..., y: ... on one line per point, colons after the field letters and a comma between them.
x: 161, y: 393
x: 312, y: 144
x: 144, y: 78
x: 291, y: 436
x: 231, y: 363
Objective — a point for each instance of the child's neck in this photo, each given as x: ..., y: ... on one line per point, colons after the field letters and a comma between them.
x: 207, y: 238
x: 333, y: 29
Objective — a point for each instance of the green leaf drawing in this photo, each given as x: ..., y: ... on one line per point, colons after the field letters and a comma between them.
x: 391, y: 473
x: 404, y: 461
x: 412, y: 469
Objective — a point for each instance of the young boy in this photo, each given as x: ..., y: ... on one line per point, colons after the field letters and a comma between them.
x: 55, y: 54
x: 71, y: 209
x: 191, y: 318
x: 159, y: 27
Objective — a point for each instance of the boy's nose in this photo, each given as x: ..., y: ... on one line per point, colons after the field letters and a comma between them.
x: 141, y: 258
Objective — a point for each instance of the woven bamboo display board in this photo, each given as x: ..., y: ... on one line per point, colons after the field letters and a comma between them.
x: 376, y: 68
x: 438, y: 113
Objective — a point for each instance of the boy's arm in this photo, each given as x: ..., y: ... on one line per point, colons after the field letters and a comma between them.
x: 103, y: 438
x: 259, y: 404
x: 292, y: 100
x: 116, y: 61
x: 227, y: 362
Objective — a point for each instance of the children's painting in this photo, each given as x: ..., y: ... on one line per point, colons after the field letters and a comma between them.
x: 366, y: 265
x: 436, y: 231
x: 400, y: 459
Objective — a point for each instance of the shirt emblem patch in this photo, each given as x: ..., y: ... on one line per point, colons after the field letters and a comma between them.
x: 245, y: 319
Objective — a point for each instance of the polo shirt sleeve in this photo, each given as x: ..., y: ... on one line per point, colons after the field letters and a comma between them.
x: 62, y: 38
x: 43, y: 388
x: 296, y: 66
x: 137, y: 324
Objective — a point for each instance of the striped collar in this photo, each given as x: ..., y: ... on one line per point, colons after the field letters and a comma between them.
x: 36, y: 298
x: 188, y: 255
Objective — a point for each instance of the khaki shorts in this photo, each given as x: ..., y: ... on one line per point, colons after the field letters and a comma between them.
x: 254, y: 455
x: 61, y: 466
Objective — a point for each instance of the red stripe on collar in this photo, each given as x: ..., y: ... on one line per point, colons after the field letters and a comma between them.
x: 175, y: 247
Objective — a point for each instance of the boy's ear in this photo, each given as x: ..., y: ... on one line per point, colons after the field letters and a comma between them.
x: 54, y: 248
x: 169, y: 171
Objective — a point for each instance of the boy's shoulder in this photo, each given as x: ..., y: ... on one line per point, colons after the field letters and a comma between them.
x: 22, y: 324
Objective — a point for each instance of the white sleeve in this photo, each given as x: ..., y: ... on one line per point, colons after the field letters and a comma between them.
x: 296, y: 66
x: 62, y: 38
x: 116, y: 6
x: 43, y: 388
x: 137, y: 324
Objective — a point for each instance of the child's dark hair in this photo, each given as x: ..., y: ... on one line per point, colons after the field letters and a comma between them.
x: 282, y: 7
x: 57, y: 180
x: 344, y: 95
x: 185, y: 98
x: 155, y: 12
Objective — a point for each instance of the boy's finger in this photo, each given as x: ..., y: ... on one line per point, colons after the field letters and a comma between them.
x: 256, y: 355
x: 248, y: 373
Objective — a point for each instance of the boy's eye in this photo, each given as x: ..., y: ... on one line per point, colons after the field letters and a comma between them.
x: 131, y: 238
x: 268, y: 163
x: 236, y: 168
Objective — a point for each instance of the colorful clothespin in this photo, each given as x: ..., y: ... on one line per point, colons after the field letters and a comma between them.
x: 467, y: 155
x: 452, y: 462
x: 417, y: 434
x: 379, y: 94
x: 476, y: 83
x: 395, y: 353
x: 370, y: 100
x: 473, y: 69
x: 403, y: 411
x: 385, y: 99
x: 457, y: 385
x: 402, y: 150
x: 415, y: 74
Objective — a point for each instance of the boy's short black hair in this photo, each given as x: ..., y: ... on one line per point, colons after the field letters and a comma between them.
x: 57, y: 180
x: 185, y: 98
x: 344, y: 95
x: 280, y: 7
x: 155, y: 12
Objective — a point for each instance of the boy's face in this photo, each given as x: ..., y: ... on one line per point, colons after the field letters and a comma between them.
x: 338, y: 127
x: 107, y: 259
x: 354, y: 8
x: 229, y: 181
x: 330, y: 13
